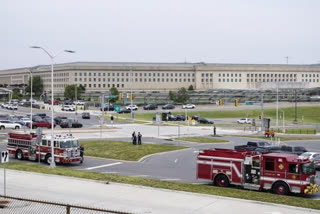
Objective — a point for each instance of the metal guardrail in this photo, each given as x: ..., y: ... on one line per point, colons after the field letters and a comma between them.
x: 17, y: 205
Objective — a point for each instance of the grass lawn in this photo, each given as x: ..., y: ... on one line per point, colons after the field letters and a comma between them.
x: 204, y: 189
x: 201, y: 139
x: 123, y: 150
x: 297, y: 131
x: 311, y: 114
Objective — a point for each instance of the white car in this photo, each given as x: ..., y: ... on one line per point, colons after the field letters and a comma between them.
x: 25, y: 120
x: 6, y: 124
x: 133, y: 107
x: 189, y: 106
x: 5, y: 105
x: 68, y: 108
x: 244, y: 120
x: 13, y: 107
x: 79, y: 102
x: 313, y: 156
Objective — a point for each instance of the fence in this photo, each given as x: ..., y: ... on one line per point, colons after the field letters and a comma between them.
x: 17, y: 205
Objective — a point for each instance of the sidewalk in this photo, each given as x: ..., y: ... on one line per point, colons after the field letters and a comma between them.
x: 130, y: 198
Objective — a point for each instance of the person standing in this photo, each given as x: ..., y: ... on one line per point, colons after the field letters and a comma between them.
x: 139, y: 138
x: 134, y: 138
x: 81, y: 153
x: 214, y: 131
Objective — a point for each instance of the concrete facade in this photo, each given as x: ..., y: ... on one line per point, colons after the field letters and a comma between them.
x: 102, y: 76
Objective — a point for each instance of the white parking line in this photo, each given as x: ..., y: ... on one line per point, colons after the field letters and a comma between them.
x: 170, y: 179
x: 111, y: 164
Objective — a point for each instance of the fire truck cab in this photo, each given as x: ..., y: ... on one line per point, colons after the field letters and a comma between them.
x: 22, y: 145
x: 281, y: 173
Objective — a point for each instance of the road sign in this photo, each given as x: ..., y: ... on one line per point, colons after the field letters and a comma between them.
x: 112, y: 96
x: 116, y: 108
x: 4, y: 156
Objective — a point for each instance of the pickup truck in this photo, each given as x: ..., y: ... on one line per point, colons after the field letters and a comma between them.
x: 42, y: 124
x: 288, y: 149
x: 252, y: 145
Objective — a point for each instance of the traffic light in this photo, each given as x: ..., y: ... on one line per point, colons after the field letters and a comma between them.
x: 236, y: 102
x: 220, y: 102
x: 131, y: 96
x: 120, y: 96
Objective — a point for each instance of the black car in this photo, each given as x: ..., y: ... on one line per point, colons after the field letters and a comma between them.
x: 124, y: 111
x: 205, y: 121
x: 70, y: 124
x: 108, y: 108
x: 85, y: 115
x: 58, y: 119
x: 171, y: 117
x: 168, y: 106
x: 180, y: 117
x: 67, y: 102
x: 150, y: 107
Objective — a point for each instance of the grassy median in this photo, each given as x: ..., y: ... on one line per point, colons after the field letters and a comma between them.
x: 204, y: 189
x: 201, y: 139
x: 124, y: 150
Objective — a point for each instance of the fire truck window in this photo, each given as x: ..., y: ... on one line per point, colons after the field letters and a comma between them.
x: 44, y: 142
x: 56, y: 144
x: 292, y: 168
x: 269, y: 164
x: 49, y: 143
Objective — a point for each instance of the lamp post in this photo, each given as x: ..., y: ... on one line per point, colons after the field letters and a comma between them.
x: 283, y: 127
x: 52, y: 164
x: 30, y: 71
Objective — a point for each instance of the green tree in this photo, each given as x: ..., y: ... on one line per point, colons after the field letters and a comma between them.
x: 82, y: 88
x: 172, y: 96
x: 16, y: 94
x: 114, y: 91
x: 69, y: 92
x: 182, y: 95
x: 37, y: 85
x: 190, y: 88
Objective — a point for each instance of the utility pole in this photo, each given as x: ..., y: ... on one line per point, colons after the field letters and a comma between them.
x: 262, y: 119
x: 295, y: 112
x: 131, y: 95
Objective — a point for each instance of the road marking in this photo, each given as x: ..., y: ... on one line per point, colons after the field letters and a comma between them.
x: 170, y: 179
x: 111, y: 164
x: 176, y: 160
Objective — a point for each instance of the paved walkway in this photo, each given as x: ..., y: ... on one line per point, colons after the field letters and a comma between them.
x: 130, y: 198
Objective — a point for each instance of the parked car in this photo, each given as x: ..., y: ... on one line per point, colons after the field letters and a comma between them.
x: 42, y: 115
x: 67, y: 102
x: 55, y: 102
x: 35, y: 106
x: 6, y: 124
x: 253, y: 145
x: 288, y: 149
x: 150, y: 107
x: 244, y: 121
x: 68, y: 108
x: 79, y: 102
x: 124, y: 111
x: 168, y: 106
x: 85, y: 115
x: 108, y: 107
x: 133, y: 107
x: 171, y: 117
x: 70, y: 124
x: 5, y: 105
x: 41, y: 123
x: 58, y: 119
x: 23, y: 121
x: 194, y: 117
x: 180, y: 117
x: 188, y: 106
x: 13, y: 107
x: 205, y: 121
x: 313, y: 156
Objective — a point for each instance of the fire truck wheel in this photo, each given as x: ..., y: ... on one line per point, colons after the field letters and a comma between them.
x: 2, y: 127
x: 48, y: 159
x: 17, y: 127
x: 221, y: 181
x: 280, y: 188
x: 19, y: 155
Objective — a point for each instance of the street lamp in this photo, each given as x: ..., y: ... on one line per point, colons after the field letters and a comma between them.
x: 52, y: 164
x: 284, y: 131
x: 30, y: 71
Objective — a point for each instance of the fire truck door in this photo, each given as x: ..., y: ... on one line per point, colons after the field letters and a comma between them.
x: 294, y: 177
x: 32, y: 150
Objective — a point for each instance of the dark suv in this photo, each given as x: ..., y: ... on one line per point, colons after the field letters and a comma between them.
x: 85, y: 115
x: 168, y: 106
x: 108, y: 108
x: 150, y: 107
x: 180, y: 117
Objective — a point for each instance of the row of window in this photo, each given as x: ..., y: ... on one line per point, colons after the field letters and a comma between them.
x: 135, y: 74
x: 229, y: 80
x: 272, y: 75
x: 271, y: 80
x: 310, y: 80
x: 310, y: 75
x: 231, y: 75
x: 103, y: 85
x: 135, y: 79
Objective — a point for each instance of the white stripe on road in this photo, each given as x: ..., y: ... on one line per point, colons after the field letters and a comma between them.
x: 170, y: 179
x: 111, y: 164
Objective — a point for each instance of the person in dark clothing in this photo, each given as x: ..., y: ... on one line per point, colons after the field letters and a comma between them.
x: 134, y: 138
x: 139, y: 138
x: 81, y: 153
x: 214, y: 131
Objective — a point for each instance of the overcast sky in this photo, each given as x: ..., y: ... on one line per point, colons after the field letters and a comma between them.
x: 212, y: 31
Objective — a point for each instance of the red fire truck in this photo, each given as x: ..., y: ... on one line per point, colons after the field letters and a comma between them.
x: 23, y: 145
x: 281, y: 173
